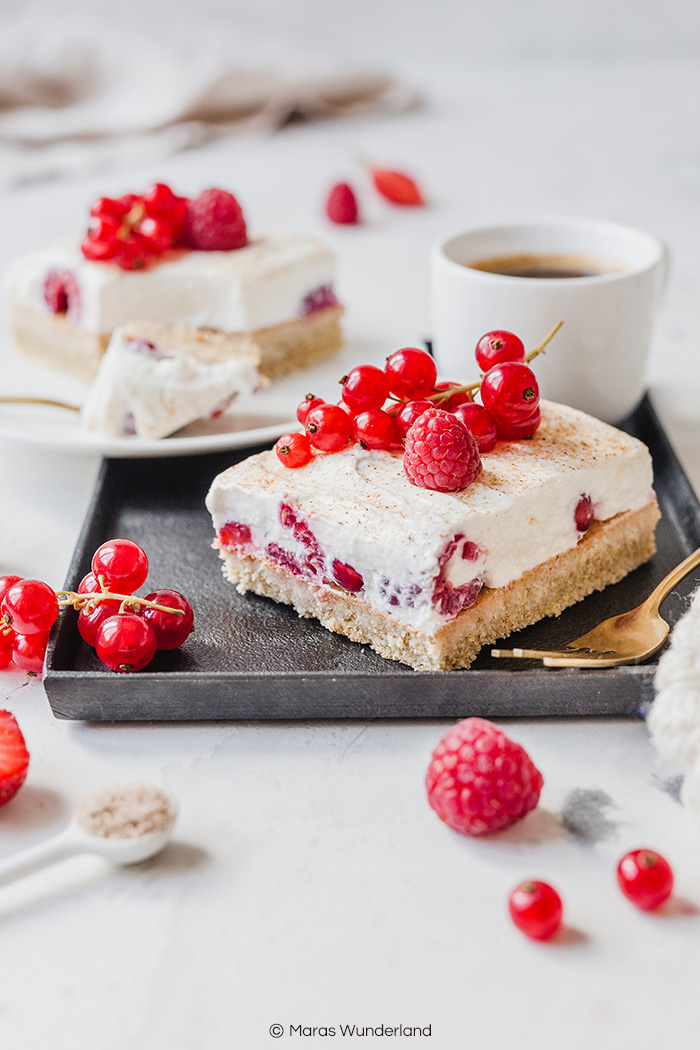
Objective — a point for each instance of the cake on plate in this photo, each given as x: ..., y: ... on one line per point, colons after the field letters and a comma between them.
x: 155, y: 379
x: 428, y: 577
x: 159, y: 257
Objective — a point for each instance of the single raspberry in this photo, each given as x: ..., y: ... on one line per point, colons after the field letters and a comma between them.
x: 341, y: 205
x: 215, y: 222
x: 441, y: 453
x: 478, y: 780
x: 14, y: 757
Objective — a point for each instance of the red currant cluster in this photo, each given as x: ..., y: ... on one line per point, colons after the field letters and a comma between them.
x: 380, y: 406
x: 125, y: 630
x: 135, y: 230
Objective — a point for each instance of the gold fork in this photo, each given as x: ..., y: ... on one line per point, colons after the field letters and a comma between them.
x: 625, y: 639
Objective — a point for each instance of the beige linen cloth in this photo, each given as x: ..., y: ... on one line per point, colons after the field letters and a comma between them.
x: 79, y: 92
x: 674, y: 719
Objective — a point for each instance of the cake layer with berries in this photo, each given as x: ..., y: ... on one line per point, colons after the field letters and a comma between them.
x: 155, y: 379
x: 277, y: 290
x: 428, y: 577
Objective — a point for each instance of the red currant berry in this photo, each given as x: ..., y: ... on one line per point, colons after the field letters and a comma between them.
x: 583, y: 515
x: 482, y: 425
x: 125, y: 642
x: 294, y: 450
x: 102, y: 239
x: 89, y: 584
x: 159, y: 199
x: 5, y: 584
x: 7, y: 638
x: 328, y: 427
x: 133, y: 254
x: 411, y: 372
x: 518, y: 431
x: 510, y: 391
x: 30, y: 607
x: 365, y: 387
x: 122, y: 563
x: 449, y: 404
x: 171, y: 629
x: 108, y: 208
x: 157, y: 234
x: 29, y: 650
x: 347, y: 577
x: 645, y: 878
x: 349, y: 412
x: 408, y: 413
x: 306, y: 406
x: 496, y: 347
x: 536, y: 909
x: 91, y: 619
x: 374, y: 428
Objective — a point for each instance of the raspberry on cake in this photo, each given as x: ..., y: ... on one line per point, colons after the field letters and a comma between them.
x: 159, y: 257
x: 155, y: 379
x: 428, y: 577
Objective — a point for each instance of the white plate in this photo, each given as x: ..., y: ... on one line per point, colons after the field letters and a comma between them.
x: 256, y: 421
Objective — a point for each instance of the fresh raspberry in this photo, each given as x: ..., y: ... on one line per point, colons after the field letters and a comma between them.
x: 441, y: 453
x: 215, y: 222
x: 479, y: 780
x: 14, y: 757
x: 341, y: 205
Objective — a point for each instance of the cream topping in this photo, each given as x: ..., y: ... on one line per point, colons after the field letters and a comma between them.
x: 259, y: 286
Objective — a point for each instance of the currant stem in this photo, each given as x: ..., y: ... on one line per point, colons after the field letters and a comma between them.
x: 539, y: 349
x: 82, y: 601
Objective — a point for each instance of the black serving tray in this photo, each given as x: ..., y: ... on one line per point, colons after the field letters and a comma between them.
x: 250, y: 658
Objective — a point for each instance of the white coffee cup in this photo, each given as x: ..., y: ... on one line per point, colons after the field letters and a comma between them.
x: 597, y: 360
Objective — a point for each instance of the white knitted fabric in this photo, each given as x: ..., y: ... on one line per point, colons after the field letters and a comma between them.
x: 674, y: 720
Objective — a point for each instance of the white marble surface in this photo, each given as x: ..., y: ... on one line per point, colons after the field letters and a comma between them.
x: 309, y: 882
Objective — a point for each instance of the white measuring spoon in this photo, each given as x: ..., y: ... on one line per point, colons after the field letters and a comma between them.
x: 74, y: 840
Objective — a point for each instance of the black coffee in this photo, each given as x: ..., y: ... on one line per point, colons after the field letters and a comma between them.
x: 553, y: 266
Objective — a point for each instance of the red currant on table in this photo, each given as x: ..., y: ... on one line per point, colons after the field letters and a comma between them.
x: 365, y: 387
x: 411, y: 372
x: 293, y: 450
x: 171, y: 629
x: 519, y: 430
x: 645, y: 878
x: 510, y: 392
x: 536, y: 909
x: 310, y: 402
x: 90, y: 620
x: 30, y: 607
x: 408, y: 413
x: 496, y: 347
x: 122, y: 563
x: 29, y: 650
x: 328, y: 427
x: 374, y: 428
x: 482, y: 425
x: 125, y: 642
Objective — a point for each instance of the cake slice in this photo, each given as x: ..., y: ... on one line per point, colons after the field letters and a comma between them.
x: 155, y: 379
x: 159, y: 257
x: 428, y: 577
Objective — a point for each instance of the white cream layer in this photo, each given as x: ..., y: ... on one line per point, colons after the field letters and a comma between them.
x: 259, y: 286
x: 519, y: 513
x: 154, y: 393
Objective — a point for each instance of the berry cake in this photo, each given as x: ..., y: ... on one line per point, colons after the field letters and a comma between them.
x: 155, y: 379
x: 427, y: 574
x: 159, y: 257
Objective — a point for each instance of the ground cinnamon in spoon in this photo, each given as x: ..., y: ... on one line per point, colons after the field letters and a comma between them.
x: 125, y: 811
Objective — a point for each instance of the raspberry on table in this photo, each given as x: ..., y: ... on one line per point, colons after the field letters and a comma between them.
x: 479, y: 780
x: 441, y: 454
x: 341, y: 205
x: 215, y: 222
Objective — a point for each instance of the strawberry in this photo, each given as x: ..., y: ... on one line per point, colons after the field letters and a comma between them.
x: 14, y: 757
x: 397, y: 187
x: 341, y: 205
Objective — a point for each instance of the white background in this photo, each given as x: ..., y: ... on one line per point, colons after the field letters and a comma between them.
x: 310, y: 883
